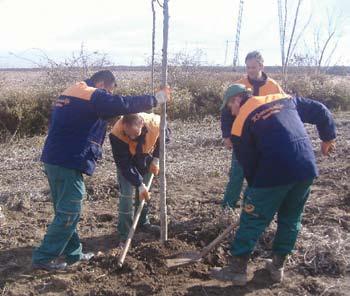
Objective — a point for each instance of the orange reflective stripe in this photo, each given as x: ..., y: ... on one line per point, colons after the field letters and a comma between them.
x: 251, y: 105
x: 80, y: 90
x: 269, y: 88
x: 152, y: 123
x: 244, y: 81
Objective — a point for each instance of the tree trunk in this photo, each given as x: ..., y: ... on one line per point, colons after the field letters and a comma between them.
x: 153, y: 43
x: 163, y: 205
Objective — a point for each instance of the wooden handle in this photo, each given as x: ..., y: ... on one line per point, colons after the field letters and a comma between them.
x: 218, y: 240
x: 133, y: 228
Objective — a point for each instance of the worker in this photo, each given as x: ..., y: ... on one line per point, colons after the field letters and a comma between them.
x: 276, y: 154
x: 72, y: 147
x: 135, y: 145
x: 261, y: 85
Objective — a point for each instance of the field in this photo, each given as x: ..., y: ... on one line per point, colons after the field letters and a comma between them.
x: 197, y: 171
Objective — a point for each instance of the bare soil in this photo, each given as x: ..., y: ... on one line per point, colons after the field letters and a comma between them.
x: 197, y: 173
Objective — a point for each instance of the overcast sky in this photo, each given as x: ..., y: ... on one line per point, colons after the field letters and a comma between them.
x: 122, y: 29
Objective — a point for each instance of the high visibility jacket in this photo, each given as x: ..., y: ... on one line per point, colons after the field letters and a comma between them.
x: 266, y: 86
x: 270, y: 140
x: 134, y: 157
x: 152, y: 124
x: 78, y: 124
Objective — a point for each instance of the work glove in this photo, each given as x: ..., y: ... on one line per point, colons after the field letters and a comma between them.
x: 143, y: 193
x: 163, y: 95
x: 228, y: 143
x: 327, y: 147
x: 154, y: 166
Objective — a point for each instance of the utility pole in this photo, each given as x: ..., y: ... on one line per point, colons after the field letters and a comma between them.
x: 238, y: 33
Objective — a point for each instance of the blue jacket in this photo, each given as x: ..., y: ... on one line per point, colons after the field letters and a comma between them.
x: 270, y: 140
x: 264, y: 87
x: 78, y: 124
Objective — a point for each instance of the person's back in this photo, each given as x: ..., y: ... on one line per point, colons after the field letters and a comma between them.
x: 78, y: 124
x: 76, y: 129
x: 276, y: 148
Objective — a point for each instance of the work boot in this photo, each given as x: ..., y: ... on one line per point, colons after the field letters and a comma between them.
x: 275, y: 266
x: 236, y: 271
x: 150, y: 228
x: 87, y: 256
x: 49, y: 266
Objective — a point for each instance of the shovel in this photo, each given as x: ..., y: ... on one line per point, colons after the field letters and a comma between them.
x: 133, y: 228
x: 192, y: 257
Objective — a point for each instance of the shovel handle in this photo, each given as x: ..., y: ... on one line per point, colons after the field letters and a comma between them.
x: 133, y: 228
x: 218, y: 240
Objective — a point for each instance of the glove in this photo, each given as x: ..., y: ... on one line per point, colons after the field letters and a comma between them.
x: 154, y: 166
x: 143, y: 193
x: 228, y: 143
x: 327, y: 147
x: 163, y: 95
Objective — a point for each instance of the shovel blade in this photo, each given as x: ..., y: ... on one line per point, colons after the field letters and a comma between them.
x: 184, y: 259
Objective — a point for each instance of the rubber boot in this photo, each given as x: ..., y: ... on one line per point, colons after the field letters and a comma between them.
x: 236, y: 271
x: 275, y: 266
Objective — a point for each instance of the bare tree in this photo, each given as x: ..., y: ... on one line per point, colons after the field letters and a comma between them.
x: 326, y: 44
x: 163, y: 204
x: 326, y: 37
x: 289, y: 42
x: 153, y: 42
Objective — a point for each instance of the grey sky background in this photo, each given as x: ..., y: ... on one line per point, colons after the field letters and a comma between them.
x: 122, y: 29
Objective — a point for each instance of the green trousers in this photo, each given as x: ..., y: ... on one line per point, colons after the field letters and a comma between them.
x: 260, y: 206
x: 235, y: 183
x: 127, y: 206
x: 67, y: 191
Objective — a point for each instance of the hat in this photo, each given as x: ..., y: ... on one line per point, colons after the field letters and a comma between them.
x: 231, y: 91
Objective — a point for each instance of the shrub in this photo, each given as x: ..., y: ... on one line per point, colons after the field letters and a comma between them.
x: 197, y: 92
x: 25, y: 112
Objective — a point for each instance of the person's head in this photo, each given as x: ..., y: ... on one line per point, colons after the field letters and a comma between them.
x: 235, y: 96
x: 254, y: 64
x: 104, y: 79
x: 132, y: 125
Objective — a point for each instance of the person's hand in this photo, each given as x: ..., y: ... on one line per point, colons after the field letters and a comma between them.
x: 143, y: 193
x: 154, y: 166
x: 327, y: 147
x: 163, y: 95
x: 228, y: 143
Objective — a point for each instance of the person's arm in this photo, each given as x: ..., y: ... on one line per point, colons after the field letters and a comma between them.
x: 246, y: 153
x: 226, y: 125
x: 314, y: 112
x: 107, y: 105
x: 122, y: 158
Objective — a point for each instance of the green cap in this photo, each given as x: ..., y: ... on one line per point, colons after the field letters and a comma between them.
x: 231, y: 91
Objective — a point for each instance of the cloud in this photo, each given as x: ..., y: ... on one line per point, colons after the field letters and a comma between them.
x: 123, y: 28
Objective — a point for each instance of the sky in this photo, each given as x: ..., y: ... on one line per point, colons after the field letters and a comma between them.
x: 122, y: 29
